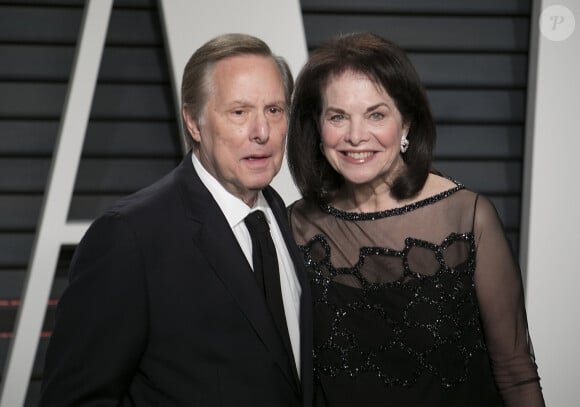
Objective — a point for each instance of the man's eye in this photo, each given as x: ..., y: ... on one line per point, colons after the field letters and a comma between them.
x: 275, y: 110
x: 238, y: 112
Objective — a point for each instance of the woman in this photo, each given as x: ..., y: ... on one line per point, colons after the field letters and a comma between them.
x: 418, y: 298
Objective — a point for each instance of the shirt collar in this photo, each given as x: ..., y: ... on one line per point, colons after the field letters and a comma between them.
x: 233, y: 208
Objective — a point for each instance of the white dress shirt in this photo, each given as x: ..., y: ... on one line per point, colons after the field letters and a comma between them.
x: 235, y: 211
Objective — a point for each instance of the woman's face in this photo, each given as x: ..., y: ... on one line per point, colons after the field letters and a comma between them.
x: 361, y: 129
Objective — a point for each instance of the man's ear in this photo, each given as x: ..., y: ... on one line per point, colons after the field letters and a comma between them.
x: 191, y: 124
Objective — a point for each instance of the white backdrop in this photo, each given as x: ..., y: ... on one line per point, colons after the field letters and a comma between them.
x: 551, y: 200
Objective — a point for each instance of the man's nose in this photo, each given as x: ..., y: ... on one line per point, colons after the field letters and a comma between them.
x: 261, y: 131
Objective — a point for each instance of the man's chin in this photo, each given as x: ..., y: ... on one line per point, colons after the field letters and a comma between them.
x: 258, y: 186
x: 260, y: 180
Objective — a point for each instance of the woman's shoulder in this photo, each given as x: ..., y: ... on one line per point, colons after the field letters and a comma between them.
x: 437, y: 184
x: 477, y: 206
x: 307, y: 219
x: 302, y: 209
x: 299, y: 205
x: 440, y: 188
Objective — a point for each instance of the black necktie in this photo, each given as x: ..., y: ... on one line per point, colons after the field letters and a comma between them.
x: 266, y: 271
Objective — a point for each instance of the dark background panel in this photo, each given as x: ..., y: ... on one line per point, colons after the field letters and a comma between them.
x: 138, y: 27
x: 496, y: 7
x: 144, y: 102
x: 77, y: 3
x: 494, y: 178
x: 479, y: 141
x: 22, y: 62
x: 32, y: 100
x: 26, y: 137
x: 19, y: 213
x: 34, y: 62
x: 508, y: 208
x: 39, y: 24
x: 120, y: 175
x: 471, y: 69
x: 104, y: 175
x: 44, y: 100
x: 478, y: 106
x: 427, y: 33
x: 15, y: 249
x: 120, y: 138
x: 23, y: 175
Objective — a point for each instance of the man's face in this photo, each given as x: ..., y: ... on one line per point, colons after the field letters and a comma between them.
x: 242, y: 129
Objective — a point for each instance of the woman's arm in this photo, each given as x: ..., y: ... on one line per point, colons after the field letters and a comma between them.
x: 500, y: 294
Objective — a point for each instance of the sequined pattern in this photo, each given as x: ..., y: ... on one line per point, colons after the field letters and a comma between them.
x: 392, y: 212
x: 437, y: 330
x: 425, y: 321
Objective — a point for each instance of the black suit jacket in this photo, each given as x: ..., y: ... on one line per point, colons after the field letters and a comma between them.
x: 163, y: 309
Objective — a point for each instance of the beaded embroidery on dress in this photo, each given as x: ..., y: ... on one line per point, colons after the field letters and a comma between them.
x: 396, y: 312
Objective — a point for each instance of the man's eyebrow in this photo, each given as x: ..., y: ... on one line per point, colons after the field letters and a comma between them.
x: 239, y: 102
x: 243, y: 102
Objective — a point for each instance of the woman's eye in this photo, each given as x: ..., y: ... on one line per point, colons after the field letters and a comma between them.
x: 337, y: 117
x: 376, y: 116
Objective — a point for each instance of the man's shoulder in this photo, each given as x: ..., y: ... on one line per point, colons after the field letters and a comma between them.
x: 146, y: 213
x: 149, y: 198
x: 160, y: 195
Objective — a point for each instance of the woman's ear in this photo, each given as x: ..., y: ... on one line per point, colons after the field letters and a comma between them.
x: 191, y: 124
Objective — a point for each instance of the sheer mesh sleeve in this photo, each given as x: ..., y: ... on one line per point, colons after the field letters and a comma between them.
x: 500, y: 294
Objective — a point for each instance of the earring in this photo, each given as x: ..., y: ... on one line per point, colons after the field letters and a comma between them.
x: 321, y: 147
x: 404, y: 144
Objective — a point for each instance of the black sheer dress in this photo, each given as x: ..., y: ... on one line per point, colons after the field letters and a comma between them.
x: 419, y: 305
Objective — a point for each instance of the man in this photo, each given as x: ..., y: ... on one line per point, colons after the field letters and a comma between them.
x: 163, y: 307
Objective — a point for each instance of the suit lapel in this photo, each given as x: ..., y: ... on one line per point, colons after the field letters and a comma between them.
x: 212, y: 234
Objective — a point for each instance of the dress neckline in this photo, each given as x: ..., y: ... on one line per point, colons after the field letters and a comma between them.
x: 355, y: 216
